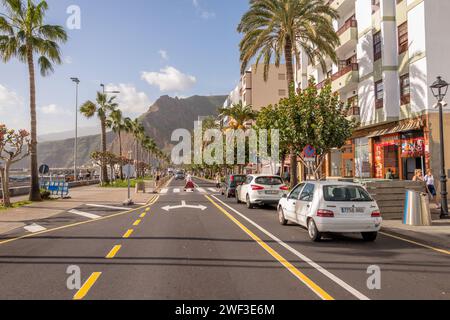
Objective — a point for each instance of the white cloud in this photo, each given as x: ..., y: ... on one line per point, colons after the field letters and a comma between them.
x: 169, y: 79
x: 52, y: 109
x: 205, y: 14
x: 130, y: 100
x: 164, y: 55
x: 12, y: 109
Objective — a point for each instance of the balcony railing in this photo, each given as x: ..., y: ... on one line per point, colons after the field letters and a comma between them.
x: 349, y: 24
x: 350, y: 68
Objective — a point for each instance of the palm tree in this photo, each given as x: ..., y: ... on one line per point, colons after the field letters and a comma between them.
x: 277, y: 29
x: 103, y: 109
x: 118, y: 124
x: 22, y: 35
x: 138, y: 131
x: 238, y: 115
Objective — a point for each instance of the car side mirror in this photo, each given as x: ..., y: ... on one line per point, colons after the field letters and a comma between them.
x: 285, y: 196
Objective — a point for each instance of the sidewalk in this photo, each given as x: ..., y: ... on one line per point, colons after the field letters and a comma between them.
x: 18, y: 217
x: 437, y: 235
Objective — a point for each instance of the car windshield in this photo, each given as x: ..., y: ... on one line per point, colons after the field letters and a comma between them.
x: 269, y: 181
x: 346, y: 194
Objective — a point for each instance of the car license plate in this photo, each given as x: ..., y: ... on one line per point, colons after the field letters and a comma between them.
x: 272, y: 192
x: 353, y: 210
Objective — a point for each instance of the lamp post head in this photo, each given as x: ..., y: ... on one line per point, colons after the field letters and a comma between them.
x: 439, y: 89
x: 76, y: 80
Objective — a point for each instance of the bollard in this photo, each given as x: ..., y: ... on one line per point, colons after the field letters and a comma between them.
x: 417, y: 209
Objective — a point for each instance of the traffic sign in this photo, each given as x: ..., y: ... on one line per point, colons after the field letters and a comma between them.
x: 309, y: 152
x: 44, y: 169
x: 128, y: 170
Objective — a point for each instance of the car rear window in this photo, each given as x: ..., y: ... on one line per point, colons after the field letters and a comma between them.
x: 346, y: 194
x: 269, y: 181
x: 239, y: 178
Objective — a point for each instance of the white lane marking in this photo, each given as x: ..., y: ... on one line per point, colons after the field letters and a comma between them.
x: 33, y: 228
x: 316, y: 266
x: 201, y: 190
x: 85, y: 214
x: 164, y: 191
x: 107, y: 207
x: 184, y: 205
x: 176, y: 190
x: 212, y: 189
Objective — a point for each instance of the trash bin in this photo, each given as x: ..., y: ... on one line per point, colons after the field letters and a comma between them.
x: 417, y: 209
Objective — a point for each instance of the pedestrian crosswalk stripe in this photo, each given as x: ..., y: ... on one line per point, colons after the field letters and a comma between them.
x: 176, y: 190
x: 164, y: 191
x: 85, y: 214
x: 212, y: 189
x: 201, y: 190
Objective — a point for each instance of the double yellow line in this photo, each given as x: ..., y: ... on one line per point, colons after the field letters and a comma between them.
x: 289, y: 266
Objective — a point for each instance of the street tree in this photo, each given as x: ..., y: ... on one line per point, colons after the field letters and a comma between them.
x: 103, y: 109
x: 24, y: 34
x: 14, y: 146
x: 277, y: 29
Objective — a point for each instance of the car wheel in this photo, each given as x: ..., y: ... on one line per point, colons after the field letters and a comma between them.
x: 369, y: 236
x: 281, y: 217
x: 228, y: 195
x: 249, y: 203
x: 313, y: 232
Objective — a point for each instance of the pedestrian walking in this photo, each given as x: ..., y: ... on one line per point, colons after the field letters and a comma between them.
x: 431, y: 187
x: 218, y: 180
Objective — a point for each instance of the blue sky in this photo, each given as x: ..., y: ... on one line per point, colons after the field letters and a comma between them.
x: 144, y: 48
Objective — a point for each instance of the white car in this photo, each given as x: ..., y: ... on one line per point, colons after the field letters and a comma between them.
x: 331, y: 207
x: 261, y: 190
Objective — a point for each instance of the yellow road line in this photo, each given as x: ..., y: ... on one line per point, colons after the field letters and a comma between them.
x: 128, y: 234
x: 87, y: 286
x: 290, y: 267
x: 136, y: 223
x: 143, y: 215
x: 447, y: 252
x: 147, y: 210
x: 151, y: 202
x: 113, y: 252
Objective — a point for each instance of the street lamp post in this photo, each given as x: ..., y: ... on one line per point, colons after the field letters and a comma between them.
x: 75, y: 152
x: 439, y: 89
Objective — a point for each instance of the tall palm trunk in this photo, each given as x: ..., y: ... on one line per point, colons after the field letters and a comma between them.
x: 120, y: 153
x: 35, y: 193
x: 291, y: 88
x: 105, y: 178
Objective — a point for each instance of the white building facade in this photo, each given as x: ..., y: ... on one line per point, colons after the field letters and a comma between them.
x: 391, y: 51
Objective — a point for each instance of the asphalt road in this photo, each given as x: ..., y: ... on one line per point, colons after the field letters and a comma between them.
x: 202, y: 246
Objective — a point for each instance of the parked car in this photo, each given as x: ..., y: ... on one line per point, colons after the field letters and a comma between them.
x: 228, y: 188
x: 331, y: 207
x: 180, y: 175
x: 261, y: 190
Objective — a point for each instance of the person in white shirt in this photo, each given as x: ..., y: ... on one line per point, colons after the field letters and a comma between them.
x: 431, y: 187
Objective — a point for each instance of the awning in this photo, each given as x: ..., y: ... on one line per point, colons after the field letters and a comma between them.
x: 392, y: 128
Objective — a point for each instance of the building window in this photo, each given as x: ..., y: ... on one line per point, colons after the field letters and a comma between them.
x: 379, y: 94
x: 282, y: 93
x: 353, y: 106
x: 281, y: 76
x: 377, y: 53
x: 405, y: 89
x: 403, y: 38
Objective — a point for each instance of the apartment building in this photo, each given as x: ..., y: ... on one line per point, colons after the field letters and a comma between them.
x: 391, y: 51
x: 255, y: 91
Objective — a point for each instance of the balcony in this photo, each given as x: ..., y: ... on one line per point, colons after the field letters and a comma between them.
x: 342, y: 5
x: 345, y: 77
x: 348, y: 36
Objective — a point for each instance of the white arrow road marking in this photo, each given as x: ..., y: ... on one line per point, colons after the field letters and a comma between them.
x: 85, y: 214
x: 164, y: 191
x: 184, y: 205
x: 106, y: 207
x: 176, y: 190
x: 33, y: 228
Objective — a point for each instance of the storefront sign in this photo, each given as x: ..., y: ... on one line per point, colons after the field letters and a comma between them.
x: 413, y: 148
